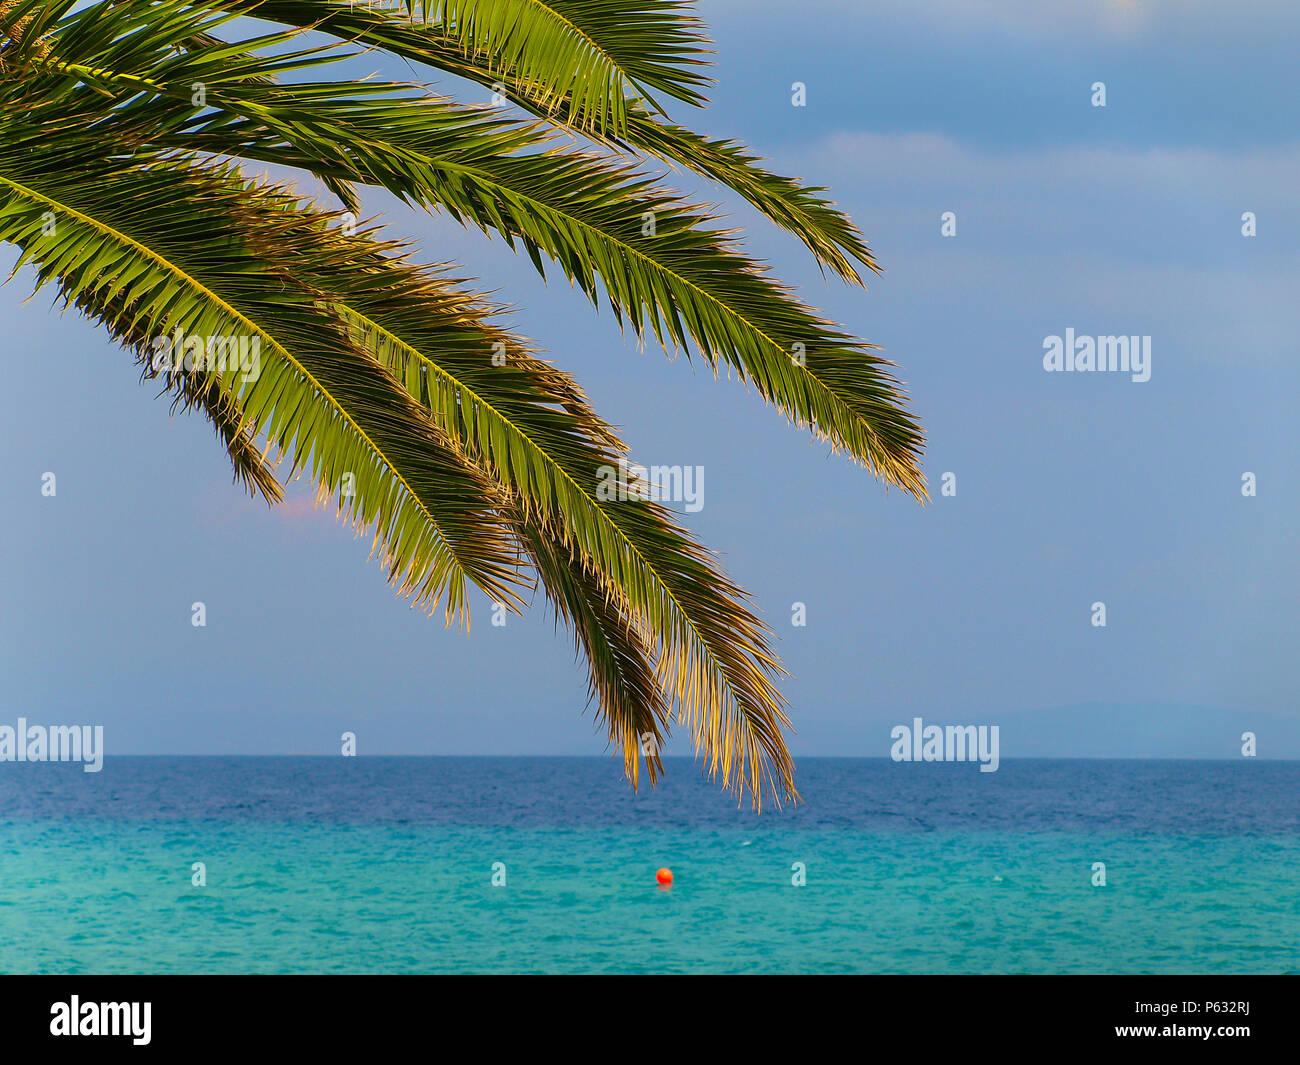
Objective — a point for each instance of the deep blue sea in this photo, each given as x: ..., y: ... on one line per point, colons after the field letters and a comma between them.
x: 385, y: 865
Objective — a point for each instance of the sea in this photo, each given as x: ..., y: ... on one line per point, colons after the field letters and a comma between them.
x: 548, y: 865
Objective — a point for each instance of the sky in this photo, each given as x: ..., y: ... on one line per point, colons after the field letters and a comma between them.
x: 1071, y: 488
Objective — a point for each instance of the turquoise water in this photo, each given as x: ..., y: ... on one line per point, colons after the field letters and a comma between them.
x: 314, y: 881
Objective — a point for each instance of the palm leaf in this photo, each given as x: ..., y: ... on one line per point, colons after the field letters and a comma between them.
x: 799, y: 209
x: 333, y: 410
x: 711, y: 652
x: 125, y: 122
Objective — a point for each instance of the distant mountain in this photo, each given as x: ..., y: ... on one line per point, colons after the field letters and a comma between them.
x: 1109, y: 731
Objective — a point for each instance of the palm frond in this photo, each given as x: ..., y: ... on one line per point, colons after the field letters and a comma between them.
x: 593, y: 56
x: 797, y: 208
x: 662, y: 269
x: 143, y: 271
x: 468, y: 458
x: 711, y: 652
x: 624, y: 682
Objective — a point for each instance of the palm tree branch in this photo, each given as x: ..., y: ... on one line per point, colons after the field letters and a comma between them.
x: 696, y: 284
x: 448, y: 555
x: 622, y: 676
x: 825, y: 230
x: 681, y: 281
x: 544, y: 458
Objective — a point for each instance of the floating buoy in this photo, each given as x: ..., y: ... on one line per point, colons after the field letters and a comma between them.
x: 664, y: 876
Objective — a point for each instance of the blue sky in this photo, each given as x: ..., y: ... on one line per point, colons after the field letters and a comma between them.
x: 1071, y: 489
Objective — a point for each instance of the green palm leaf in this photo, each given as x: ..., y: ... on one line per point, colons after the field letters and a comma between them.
x: 470, y: 460
x: 148, y: 273
x: 826, y: 231
x: 710, y: 649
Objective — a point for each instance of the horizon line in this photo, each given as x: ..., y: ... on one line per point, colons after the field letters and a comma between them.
x: 691, y: 758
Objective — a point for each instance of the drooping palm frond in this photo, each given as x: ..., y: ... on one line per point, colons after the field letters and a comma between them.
x: 799, y: 209
x: 198, y: 390
x: 624, y: 682
x: 469, y: 458
x: 710, y: 650
x: 708, y: 647
x: 661, y: 272
x: 610, y: 229
x: 313, y: 394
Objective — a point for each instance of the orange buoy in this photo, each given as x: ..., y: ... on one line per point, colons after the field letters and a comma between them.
x: 664, y: 876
